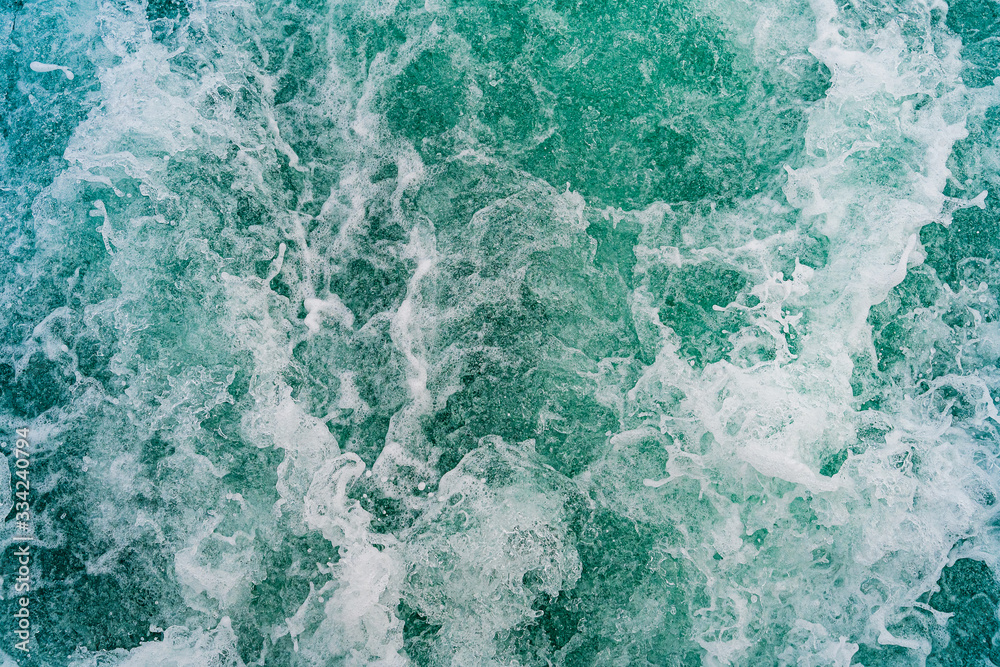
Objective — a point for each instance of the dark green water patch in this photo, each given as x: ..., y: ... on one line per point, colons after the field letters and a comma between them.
x: 969, y: 590
x: 626, y: 102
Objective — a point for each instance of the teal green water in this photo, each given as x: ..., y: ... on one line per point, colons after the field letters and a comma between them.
x: 502, y: 333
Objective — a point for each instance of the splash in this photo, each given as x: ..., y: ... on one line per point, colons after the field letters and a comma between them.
x: 504, y: 333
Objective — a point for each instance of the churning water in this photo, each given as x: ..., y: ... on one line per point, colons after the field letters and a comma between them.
x: 501, y: 332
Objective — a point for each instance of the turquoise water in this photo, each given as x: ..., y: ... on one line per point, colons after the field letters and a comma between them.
x: 506, y: 332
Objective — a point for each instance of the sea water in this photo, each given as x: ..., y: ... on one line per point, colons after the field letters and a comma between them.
x: 501, y: 332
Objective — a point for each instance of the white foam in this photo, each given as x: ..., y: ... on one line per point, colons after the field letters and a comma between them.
x: 473, y: 582
x: 180, y: 647
x: 332, y: 306
x: 45, y: 67
x: 350, y: 399
x: 359, y: 615
x: 224, y: 575
x: 106, y: 231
